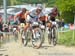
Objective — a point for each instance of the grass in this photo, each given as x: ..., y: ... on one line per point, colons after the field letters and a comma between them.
x: 66, y: 38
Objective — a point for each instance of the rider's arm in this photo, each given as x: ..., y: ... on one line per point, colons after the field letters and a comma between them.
x: 16, y: 16
x: 42, y: 16
x: 27, y: 13
x: 32, y: 14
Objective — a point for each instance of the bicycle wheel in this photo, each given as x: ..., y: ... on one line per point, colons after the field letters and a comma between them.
x: 49, y: 36
x: 16, y: 35
x: 43, y: 34
x: 24, y: 38
x: 37, y: 40
x: 54, y: 36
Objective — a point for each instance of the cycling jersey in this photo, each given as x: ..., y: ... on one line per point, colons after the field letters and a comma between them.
x: 22, y: 17
x: 53, y: 14
x: 33, y: 15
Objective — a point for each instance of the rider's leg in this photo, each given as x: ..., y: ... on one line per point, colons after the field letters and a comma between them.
x: 49, y: 25
x: 26, y: 26
x: 33, y: 33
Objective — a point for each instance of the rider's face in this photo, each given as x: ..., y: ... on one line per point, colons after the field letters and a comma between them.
x: 23, y: 10
x: 38, y: 11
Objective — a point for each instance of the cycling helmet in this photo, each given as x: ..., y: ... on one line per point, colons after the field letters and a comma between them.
x: 39, y: 6
x: 24, y: 9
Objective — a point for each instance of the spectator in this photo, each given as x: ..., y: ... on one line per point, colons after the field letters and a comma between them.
x: 1, y: 19
x: 71, y: 26
x: 1, y: 24
x: 62, y: 24
x: 11, y: 19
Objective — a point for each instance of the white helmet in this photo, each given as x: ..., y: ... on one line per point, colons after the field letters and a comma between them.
x: 39, y: 6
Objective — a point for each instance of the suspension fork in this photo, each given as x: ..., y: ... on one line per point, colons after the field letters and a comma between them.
x: 34, y: 30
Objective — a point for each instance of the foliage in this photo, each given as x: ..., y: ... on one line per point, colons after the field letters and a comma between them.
x: 33, y: 1
x: 50, y: 3
x: 67, y: 8
x: 1, y: 2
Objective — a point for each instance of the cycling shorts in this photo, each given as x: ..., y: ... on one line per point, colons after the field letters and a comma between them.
x: 22, y: 20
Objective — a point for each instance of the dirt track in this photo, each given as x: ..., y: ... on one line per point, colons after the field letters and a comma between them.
x: 17, y: 49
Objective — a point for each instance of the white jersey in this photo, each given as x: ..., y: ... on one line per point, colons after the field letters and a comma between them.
x: 48, y: 10
x: 34, y: 14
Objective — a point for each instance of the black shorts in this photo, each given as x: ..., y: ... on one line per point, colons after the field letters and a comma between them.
x: 44, y: 23
x: 22, y: 20
x: 52, y: 18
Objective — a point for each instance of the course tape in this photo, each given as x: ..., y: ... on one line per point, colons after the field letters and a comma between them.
x: 65, y: 30
x: 6, y: 32
x: 57, y: 30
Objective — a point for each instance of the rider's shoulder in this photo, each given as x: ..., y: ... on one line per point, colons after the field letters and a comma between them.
x: 18, y: 14
x: 33, y: 10
x: 27, y: 12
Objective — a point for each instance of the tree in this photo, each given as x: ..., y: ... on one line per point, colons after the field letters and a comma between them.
x: 32, y: 1
x: 66, y: 7
x: 1, y: 2
x: 50, y: 3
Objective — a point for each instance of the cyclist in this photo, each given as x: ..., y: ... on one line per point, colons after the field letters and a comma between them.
x: 52, y: 25
x: 52, y: 16
x: 1, y: 27
x: 11, y: 19
x: 21, y: 16
x: 35, y: 15
x: 1, y: 23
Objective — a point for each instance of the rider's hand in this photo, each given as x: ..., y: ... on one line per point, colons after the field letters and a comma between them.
x: 14, y: 20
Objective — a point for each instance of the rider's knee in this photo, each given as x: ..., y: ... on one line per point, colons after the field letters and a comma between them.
x: 27, y: 25
x: 49, y: 24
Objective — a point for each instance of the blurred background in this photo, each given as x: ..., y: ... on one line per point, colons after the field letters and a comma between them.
x: 65, y: 7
